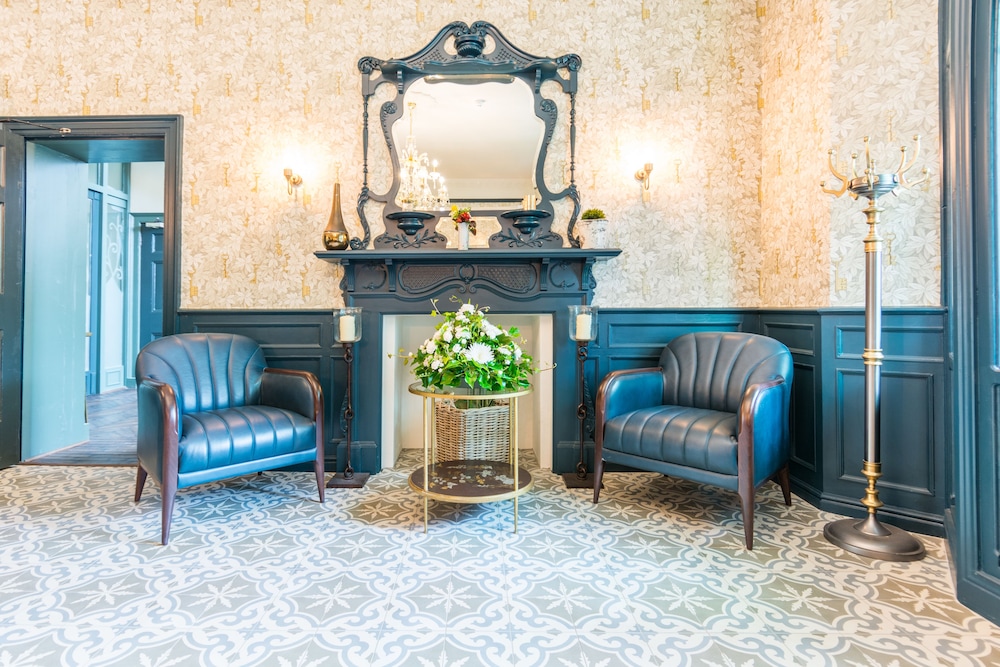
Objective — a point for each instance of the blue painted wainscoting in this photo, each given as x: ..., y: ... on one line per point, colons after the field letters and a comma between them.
x: 827, y: 397
x: 301, y: 340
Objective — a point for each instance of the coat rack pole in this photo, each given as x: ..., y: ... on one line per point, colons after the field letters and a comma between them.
x: 869, y: 537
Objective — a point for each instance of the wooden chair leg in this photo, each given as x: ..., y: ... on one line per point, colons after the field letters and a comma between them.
x: 746, y: 501
x: 168, y: 490
x: 140, y: 482
x: 598, y: 476
x: 785, y: 483
x: 320, y: 478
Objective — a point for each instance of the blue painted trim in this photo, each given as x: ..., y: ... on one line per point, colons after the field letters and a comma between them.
x: 968, y: 44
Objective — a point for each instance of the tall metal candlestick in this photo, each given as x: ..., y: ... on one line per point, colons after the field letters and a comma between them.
x: 582, y: 329
x: 347, y: 331
x: 869, y: 537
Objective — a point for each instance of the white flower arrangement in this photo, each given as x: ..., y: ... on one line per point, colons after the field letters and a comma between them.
x: 467, y: 347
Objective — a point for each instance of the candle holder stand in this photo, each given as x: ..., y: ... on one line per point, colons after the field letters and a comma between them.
x: 869, y: 537
x: 347, y: 332
x: 582, y: 329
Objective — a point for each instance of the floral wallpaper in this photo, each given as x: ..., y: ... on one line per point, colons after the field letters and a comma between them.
x: 885, y: 85
x: 734, y: 103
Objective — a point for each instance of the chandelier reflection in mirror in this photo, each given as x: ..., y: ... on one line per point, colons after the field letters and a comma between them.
x: 421, y: 185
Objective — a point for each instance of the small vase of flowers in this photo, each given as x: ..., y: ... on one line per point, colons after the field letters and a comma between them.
x: 462, y: 217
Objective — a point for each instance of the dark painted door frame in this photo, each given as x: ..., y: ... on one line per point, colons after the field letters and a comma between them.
x: 15, y: 133
x: 93, y: 291
x: 150, y: 314
x: 969, y: 117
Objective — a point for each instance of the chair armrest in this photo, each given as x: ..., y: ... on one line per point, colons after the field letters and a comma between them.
x: 298, y: 391
x: 159, y: 428
x: 763, y: 428
x: 625, y: 391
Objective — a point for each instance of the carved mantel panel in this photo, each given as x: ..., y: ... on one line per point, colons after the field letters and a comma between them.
x: 521, y: 281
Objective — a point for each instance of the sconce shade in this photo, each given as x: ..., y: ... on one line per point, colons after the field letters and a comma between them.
x: 335, y: 235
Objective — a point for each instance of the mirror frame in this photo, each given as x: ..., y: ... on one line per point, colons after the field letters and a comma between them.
x: 518, y: 229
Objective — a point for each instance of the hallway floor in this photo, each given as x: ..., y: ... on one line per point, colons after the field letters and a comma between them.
x: 113, y: 423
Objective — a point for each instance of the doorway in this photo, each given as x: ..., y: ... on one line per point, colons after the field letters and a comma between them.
x: 81, y: 141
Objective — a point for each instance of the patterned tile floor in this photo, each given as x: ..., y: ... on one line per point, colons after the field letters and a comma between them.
x: 259, y: 573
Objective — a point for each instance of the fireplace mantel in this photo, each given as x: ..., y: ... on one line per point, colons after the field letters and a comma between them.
x: 522, y: 281
x: 513, y: 275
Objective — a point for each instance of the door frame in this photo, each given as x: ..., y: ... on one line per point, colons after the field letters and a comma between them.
x: 168, y: 128
x: 94, y: 293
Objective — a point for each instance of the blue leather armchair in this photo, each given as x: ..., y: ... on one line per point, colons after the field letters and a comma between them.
x: 210, y: 410
x: 715, y: 412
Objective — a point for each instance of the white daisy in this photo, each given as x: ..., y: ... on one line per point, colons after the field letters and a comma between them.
x: 481, y: 353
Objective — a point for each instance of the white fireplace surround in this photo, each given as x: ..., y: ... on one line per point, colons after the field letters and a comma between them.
x: 402, y: 414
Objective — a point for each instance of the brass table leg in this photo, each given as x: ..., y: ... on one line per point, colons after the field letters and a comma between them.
x: 428, y: 438
x: 513, y: 445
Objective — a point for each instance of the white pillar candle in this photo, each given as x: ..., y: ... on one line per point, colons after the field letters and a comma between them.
x: 583, y: 321
x: 347, y: 328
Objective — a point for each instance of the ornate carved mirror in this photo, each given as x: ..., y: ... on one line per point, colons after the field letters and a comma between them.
x: 469, y: 124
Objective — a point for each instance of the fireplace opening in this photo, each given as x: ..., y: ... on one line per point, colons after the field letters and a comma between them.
x: 402, y: 412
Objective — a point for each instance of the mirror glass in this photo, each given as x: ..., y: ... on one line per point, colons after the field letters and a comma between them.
x: 484, y: 135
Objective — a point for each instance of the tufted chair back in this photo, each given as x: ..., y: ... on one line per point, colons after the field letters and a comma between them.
x: 712, y: 370
x: 208, y: 371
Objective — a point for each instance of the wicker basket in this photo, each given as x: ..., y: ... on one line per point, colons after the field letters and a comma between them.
x: 472, y: 433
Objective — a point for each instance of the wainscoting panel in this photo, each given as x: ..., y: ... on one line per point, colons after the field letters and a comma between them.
x: 800, y: 331
x: 296, y: 340
x: 827, y: 423
x: 912, y: 417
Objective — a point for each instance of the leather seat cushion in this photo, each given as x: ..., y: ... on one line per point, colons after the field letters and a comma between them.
x: 218, y: 438
x: 693, y: 437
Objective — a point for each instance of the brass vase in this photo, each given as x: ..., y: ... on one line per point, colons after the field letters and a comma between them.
x: 335, y: 235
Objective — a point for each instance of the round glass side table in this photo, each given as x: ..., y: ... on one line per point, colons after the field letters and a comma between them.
x: 468, y: 480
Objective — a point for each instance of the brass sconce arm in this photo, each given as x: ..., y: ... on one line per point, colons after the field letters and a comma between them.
x: 294, y: 180
x: 642, y: 175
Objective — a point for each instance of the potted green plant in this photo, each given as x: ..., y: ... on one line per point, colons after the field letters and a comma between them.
x: 594, y: 228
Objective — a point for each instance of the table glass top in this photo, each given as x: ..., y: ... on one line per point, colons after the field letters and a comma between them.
x: 465, y: 392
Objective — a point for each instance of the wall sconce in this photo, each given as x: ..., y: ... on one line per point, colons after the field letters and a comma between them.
x: 643, y: 175
x: 294, y: 180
